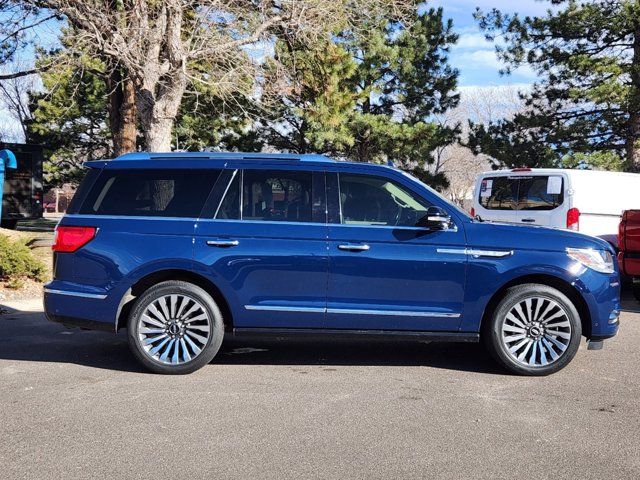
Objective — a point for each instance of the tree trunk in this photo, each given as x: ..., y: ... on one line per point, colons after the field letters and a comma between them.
x: 633, y: 135
x: 158, y: 111
x: 122, y: 112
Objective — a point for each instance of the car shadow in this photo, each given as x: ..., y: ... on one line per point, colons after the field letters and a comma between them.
x: 28, y: 336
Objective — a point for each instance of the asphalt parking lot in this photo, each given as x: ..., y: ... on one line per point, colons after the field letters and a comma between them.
x: 75, y: 404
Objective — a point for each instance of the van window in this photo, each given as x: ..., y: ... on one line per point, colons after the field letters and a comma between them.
x: 499, y: 193
x: 169, y: 193
x: 371, y: 200
x: 278, y: 196
x: 539, y: 192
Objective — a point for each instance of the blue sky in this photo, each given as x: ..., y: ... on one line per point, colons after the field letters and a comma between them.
x: 473, y: 56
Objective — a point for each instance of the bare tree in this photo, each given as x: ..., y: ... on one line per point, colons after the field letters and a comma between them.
x: 165, y: 45
x: 459, y: 164
x: 14, y: 99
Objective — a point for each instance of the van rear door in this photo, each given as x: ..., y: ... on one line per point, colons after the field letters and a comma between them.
x: 541, y: 200
x: 497, y: 198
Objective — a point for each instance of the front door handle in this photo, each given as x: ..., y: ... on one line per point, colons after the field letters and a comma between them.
x: 223, y: 243
x: 354, y: 248
x: 529, y: 220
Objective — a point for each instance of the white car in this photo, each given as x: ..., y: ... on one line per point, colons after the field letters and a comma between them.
x: 588, y: 201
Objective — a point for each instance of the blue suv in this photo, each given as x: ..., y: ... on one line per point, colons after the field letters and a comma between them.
x: 179, y: 248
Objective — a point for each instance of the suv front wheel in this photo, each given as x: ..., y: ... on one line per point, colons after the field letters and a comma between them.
x: 534, y: 330
x: 175, y: 327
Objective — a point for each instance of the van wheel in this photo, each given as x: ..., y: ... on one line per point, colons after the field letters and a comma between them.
x: 535, y: 330
x: 175, y: 328
x: 635, y: 289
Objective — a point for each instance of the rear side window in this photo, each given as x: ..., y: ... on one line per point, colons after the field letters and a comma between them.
x: 280, y: 195
x: 169, y: 193
x: 540, y: 192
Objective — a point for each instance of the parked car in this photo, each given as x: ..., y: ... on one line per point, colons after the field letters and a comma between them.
x: 587, y: 201
x: 22, y: 198
x: 181, y: 248
x: 629, y: 243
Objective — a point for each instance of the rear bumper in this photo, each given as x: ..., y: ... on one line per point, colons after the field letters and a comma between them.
x: 77, y: 305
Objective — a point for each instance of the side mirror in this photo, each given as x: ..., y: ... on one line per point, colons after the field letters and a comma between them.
x: 435, y: 219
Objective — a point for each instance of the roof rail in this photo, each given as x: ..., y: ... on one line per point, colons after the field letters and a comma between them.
x: 309, y: 157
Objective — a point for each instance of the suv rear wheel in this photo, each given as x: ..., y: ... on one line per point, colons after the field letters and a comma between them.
x: 175, y: 327
x: 534, y: 330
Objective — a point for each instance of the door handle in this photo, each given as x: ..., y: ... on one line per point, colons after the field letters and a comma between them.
x: 529, y: 220
x: 223, y: 243
x: 354, y: 248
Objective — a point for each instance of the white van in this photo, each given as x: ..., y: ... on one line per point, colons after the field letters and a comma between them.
x: 583, y: 200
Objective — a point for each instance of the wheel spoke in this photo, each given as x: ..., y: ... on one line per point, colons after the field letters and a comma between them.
x: 557, y: 343
x: 202, y: 316
x: 518, y: 346
x: 512, y: 318
x: 195, y: 336
x: 167, y: 349
x: 513, y: 338
x: 554, y: 316
x: 521, y: 314
x: 523, y: 354
x: 564, y: 323
x: 152, y: 321
x: 202, y: 328
x: 552, y: 352
x: 174, y: 298
x: 185, y: 352
x: 176, y: 353
x: 157, y: 348
x: 150, y: 340
x: 194, y: 347
x: 532, y: 358
x: 164, y: 305
x: 543, y: 355
x: 529, y: 310
x: 511, y: 328
x: 158, y: 314
x: 558, y: 333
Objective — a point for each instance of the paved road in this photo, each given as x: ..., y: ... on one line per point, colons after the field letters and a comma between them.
x: 75, y: 405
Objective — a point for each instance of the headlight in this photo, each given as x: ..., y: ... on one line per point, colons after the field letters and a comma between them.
x: 598, y: 260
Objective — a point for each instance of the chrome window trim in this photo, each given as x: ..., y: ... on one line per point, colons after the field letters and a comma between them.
x: 129, y: 217
x: 70, y: 293
x: 224, y: 195
x: 352, y: 311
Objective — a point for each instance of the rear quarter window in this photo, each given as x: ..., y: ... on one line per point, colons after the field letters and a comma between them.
x: 168, y: 193
x: 498, y: 193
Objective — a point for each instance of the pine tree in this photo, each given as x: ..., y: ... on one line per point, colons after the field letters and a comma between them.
x: 586, y: 104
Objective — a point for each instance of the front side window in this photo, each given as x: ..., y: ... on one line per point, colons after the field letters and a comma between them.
x: 378, y: 201
x: 168, y: 193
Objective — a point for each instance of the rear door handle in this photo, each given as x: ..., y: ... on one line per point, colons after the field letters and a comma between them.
x: 354, y: 248
x: 223, y: 243
x: 529, y: 220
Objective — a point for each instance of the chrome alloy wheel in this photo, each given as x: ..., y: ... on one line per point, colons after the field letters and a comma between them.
x: 174, y: 329
x: 536, y: 332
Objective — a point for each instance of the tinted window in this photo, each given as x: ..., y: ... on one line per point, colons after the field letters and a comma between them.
x: 370, y: 200
x: 230, y: 206
x: 170, y: 193
x: 284, y: 196
x: 540, y: 193
x: 499, y: 193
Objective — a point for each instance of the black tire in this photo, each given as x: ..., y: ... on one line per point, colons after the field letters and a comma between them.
x: 635, y: 289
x: 9, y: 224
x: 192, y: 292
x: 492, y: 333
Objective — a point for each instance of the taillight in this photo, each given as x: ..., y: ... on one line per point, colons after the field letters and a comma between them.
x: 473, y: 212
x: 573, y: 219
x: 621, y: 226
x: 69, y: 239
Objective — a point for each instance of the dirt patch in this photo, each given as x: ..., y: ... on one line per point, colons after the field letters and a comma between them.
x: 30, y: 289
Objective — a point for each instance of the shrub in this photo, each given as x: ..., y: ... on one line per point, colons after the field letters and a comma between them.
x: 17, y: 263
